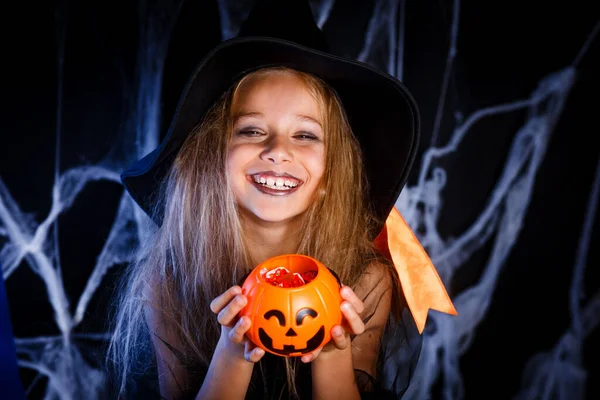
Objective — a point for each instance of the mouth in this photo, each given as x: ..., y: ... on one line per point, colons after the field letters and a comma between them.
x: 290, y: 349
x: 274, y: 183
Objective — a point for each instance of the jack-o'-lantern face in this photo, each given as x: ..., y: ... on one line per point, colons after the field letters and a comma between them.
x: 291, y: 334
x: 297, y: 320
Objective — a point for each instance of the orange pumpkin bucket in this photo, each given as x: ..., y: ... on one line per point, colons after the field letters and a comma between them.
x: 293, y: 302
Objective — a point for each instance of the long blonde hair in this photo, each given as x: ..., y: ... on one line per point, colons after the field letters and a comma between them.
x: 199, y: 250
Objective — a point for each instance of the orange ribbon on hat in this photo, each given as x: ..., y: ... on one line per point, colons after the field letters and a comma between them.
x: 422, y: 287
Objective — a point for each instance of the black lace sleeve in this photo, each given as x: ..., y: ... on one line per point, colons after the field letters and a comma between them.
x: 385, y: 355
x: 400, y: 353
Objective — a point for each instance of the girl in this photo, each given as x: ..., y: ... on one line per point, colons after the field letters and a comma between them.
x: 265, y: 157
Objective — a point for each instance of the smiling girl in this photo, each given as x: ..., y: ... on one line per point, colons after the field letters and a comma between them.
x: 263, y: 158
x: 276, y: 156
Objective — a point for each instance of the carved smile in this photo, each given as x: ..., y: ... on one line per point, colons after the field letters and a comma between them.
x: 289, y: 349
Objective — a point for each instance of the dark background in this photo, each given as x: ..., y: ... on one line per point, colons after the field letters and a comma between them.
x: 503, y: 50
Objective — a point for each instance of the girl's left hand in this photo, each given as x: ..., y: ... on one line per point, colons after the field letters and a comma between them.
x: 352, y: 324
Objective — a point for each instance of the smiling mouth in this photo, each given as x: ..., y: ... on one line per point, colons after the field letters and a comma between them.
x: 290, y: 349
x: 275, y: 184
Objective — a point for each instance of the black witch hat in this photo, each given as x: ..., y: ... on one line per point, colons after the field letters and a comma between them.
x: 382, y: 113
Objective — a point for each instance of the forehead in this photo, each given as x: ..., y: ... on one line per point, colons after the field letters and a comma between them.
x: 275, y: 92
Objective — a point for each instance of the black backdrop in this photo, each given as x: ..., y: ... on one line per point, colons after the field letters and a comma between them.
x: 92, y: 107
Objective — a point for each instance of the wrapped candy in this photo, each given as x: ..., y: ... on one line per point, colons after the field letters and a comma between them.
x: 282, y: 277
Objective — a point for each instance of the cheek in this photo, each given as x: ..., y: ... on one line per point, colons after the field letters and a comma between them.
x: 232, y: 159
x: 237, y: 158
x: 230, y: 172
x: 234, y: 173
x: 315, y: 163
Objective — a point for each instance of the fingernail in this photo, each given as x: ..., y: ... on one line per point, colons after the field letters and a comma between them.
x: 338, y: 331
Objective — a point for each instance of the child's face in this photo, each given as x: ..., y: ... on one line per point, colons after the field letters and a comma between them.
x: 277, y: 153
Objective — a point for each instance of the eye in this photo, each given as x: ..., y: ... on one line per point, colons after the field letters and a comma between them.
x: 306, y: 136
x: 250, y: 132
x: 277, y: 314
x: 303, y: 313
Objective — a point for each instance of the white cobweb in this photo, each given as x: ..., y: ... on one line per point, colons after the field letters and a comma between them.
x: 557, y: 373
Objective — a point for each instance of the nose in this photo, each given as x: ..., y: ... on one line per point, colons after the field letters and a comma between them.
x: 277, y: 150
x: 291, y: 332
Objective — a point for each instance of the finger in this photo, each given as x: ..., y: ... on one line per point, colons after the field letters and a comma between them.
x: 221, y: 301
x: 340, y: 338
x: 311, y: 356
x: 354, y: 322
x: 236, y: 335
x: 252, y: 353
x: 348, y: 294
x: 228, y: 314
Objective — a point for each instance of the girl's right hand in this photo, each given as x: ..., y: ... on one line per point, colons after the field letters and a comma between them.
x: 233, y: 329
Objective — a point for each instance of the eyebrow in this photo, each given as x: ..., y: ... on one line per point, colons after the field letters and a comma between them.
x: 300, y: 117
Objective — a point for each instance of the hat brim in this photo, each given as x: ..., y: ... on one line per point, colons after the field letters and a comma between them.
x: 382, y: 113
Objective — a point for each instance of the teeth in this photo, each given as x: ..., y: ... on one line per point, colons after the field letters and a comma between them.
x: 275, y: 183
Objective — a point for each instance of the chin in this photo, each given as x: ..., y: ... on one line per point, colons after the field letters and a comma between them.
x: 275, y: 216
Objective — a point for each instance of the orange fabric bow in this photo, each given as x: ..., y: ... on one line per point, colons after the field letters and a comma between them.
x: 421, y: 284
